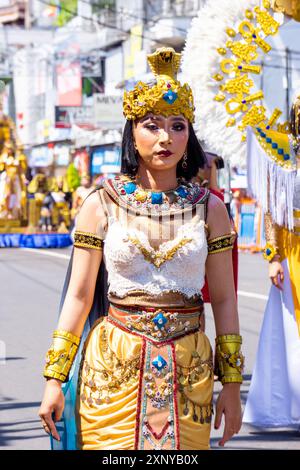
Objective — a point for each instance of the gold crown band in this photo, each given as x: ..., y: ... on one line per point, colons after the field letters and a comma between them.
x: 61, y: 355
x: 229, y: 360
x: 167, y: 97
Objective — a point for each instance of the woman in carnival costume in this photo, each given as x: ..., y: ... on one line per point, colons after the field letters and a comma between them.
x: 145, y: 378
x: 274, y: 174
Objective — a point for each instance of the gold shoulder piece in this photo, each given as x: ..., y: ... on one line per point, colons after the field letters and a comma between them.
x: 87, y: 240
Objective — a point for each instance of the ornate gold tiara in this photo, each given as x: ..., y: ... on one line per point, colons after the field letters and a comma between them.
x: 167, y: 97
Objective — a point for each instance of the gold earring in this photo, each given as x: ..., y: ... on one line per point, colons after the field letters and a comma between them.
x: 184, y: 160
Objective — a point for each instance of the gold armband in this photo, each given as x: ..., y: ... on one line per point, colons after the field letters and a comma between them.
x: 87, y: 240
x: 61, y: 355
x: 271, y: 234
x: 223, y: 243
x: 229, y: 360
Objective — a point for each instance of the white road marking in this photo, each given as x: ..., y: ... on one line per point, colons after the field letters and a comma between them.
x: 253, y: 295
x: 46, y: 253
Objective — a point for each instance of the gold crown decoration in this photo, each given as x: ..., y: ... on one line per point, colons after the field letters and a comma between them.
x: 167, y: 97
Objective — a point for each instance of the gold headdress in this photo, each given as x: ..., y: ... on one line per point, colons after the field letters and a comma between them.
x: 288, y: 7
x: 295, y: 119
x: 167, y: 97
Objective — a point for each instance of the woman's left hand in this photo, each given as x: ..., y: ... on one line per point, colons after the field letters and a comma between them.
x: 229, y: 404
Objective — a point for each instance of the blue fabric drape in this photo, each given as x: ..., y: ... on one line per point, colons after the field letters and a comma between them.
x: 67, y: 425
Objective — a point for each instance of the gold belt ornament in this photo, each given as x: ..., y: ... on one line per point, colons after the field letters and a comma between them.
x: 157, y: 324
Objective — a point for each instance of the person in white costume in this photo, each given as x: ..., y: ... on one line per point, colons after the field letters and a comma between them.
x: 274, y: 176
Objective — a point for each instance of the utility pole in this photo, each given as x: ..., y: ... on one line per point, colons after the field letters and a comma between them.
x: 27, y: 22
x: 287, y: 74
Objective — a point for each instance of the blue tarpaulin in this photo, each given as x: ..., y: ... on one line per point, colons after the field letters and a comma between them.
x: 35, y: 240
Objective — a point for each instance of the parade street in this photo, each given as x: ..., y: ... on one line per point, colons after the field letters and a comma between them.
x: 30, y: 285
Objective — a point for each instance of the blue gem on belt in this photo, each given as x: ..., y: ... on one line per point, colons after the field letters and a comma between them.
x: 159, y: 363
x: 160, y: 320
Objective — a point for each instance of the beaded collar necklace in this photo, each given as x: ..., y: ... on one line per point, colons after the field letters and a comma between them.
x: 131, y: 193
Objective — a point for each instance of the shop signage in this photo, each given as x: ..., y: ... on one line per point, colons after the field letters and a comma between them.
x: 106, y: 160
x: 108, y: 109
x: 66, y: 116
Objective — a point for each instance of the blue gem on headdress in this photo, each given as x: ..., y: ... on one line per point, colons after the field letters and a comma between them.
x: 268, y: 251
x: 156, y: 198
x: 159, y: 363
x: 129, y: 188
x: 160, y: 320
x: 170, y: 96
x: 280, y: 151
x: 274, y: 145
x: 286, y: 156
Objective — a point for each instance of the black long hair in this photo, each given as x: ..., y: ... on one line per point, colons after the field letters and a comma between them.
x: 196, y: 158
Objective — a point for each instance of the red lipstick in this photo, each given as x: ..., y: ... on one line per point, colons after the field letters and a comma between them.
x: 165, y: 153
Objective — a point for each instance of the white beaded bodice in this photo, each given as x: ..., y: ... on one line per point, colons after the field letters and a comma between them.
x: 177, y: 265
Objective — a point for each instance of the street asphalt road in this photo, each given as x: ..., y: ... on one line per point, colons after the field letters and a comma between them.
x: 30, y: 286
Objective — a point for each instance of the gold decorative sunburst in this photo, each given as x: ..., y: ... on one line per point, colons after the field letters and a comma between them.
x: 238, y: 56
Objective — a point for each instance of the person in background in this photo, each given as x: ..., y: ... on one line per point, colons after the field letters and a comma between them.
x: 274, y: 163
x: 80, y: 194
x: 208, y: 177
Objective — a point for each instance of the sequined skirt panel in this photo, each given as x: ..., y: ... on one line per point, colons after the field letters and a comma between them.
x: 109, y: 400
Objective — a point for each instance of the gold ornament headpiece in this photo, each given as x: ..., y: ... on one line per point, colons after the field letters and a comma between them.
x: 288, y: 7
x: 167, y: 97
x: 295, y: 119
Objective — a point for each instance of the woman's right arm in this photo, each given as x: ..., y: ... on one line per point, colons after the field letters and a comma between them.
x: 77, y: 304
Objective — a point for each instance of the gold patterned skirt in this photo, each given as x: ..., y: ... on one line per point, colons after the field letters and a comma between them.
x: 145, y: 382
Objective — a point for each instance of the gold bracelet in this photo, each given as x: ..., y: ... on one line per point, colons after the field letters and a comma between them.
x: 61, y: 355
x: 229, y: 360
x: 269, y: 252
x: 271, y: 234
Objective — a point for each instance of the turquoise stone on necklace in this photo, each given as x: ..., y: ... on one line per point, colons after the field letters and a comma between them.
x: 130, y: 188
x: 156, y: 198
x: 182, y: 192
